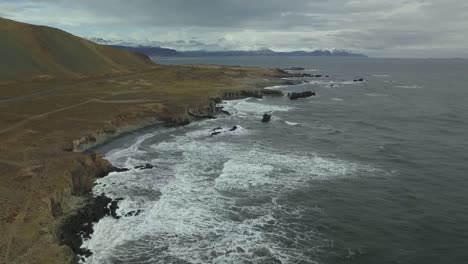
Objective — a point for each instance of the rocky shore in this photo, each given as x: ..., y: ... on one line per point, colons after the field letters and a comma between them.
x: 79, y: 223
x: 48, y: 172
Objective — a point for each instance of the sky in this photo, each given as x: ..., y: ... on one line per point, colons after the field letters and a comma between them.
x: 378, y: 28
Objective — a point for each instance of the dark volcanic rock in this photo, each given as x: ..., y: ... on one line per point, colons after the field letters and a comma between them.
x: 294, y: 96
x: 295, y: 69
x: 359, y: 80
x: 202, y: 116
x: 266, y: 118
x: 216, y: 131
x: 233, y: 128
x: 290, y: 82
x: 147, y: 166
x: 81, y: 223
x: 302, y: 75
x: 116, y: 169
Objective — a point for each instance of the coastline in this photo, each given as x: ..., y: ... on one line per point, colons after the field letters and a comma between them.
x: 78, y: 225
x: 63, y: 180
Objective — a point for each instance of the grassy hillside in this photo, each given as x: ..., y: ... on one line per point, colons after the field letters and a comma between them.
x: 29, y: 51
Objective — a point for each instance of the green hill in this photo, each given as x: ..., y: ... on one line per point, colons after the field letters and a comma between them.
x: 29, y: 51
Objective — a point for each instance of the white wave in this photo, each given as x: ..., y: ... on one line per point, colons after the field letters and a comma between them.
x: 408, y: 86
x: 337, y: 99
x: 276, y: 87
x: 245, y: 108
x: 381, y: 75
x: 194, y: 206
x: 224, y: 131
x: 115, y: 156
x: 376, y: 94
x: 291, y: 123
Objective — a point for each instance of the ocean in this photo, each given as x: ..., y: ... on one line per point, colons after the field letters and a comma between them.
x: 364, y: 172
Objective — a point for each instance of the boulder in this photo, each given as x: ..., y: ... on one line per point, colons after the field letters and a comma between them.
x: 266, y: 118
x: 295, y: 96
x: 233, y: 128
x: 359, y: 80
x: 117, y: 169
x: 147, y: 166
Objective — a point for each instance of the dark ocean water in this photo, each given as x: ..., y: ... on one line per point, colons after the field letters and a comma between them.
x: 373, y: 172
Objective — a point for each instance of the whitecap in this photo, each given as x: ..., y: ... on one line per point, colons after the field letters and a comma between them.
x: 245, y: 108
x: 291, y: 123
x: 276, y: 87
x: 381, y: 75
x: 337, y: 99
x: 376, y: 95
x: 198, y: 213
x: 408, y: 86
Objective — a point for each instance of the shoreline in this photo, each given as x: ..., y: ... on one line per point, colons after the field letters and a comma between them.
x: 47, y: 153
x: 94, y: 208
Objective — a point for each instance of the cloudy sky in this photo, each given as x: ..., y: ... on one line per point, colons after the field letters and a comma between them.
x: 381, y: 28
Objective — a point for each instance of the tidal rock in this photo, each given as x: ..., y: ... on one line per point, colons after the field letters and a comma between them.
x: 147, y: 166
x: 117, y: 169
x: 266, y: 118
x: 295, y: 69
x: 233, y: 128
x: 359, y: 80
x: 80, y: 225
x: 294, y: 96
x: 216, y: 131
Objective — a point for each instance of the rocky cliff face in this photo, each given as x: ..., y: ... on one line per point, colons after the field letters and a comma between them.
x: 35, y: 229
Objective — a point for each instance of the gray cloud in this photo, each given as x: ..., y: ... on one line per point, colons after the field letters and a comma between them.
x: 376, y: 27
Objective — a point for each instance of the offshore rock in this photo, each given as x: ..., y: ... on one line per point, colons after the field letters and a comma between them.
x: 295, y: 96
x: 147, y: 166
x: 266, y: 118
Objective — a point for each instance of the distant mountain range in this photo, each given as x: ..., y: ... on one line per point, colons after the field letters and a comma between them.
x: 156, y: 51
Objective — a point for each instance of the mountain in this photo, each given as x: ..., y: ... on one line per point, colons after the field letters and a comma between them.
x: 323, y: 53
x: 152, y: 49
x: 28, y: 51
x: 165, y: 52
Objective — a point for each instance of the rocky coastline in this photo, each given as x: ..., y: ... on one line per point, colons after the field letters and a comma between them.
x: 78, y: 223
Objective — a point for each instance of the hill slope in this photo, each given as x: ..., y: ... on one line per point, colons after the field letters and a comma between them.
x: 27, y: 51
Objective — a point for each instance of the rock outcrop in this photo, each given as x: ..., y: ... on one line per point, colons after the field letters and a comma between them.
x: 266, y: 118
x: 80, y: 224
x: 295, y: 96
x: 295, y: 69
